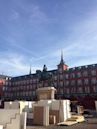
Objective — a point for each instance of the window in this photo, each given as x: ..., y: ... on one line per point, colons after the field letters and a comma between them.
x: 33, y: 93
x: 73, y: 82
x: 34, y: 80
x: 6, y: 78
x: 95, y: 89
x: 60, y: 70
x: 9, y: 83
x: 61, y: 77
x: 93, y: 72
x: 72, y: 75
x: 23, y: 93
x: 10, y: 94
x: 3, y: 88
x: 73, y: 90
x: 30, y: 93
x: 26, y: 93
x: 15, y: 83
x: 93, y: 80
x: 21, y: 87
x: 61, y: 83
x: 20, y: 94
x: 46, y: 84
x: 27, y: 87
x: 24, y: 87
x: 18, y: 82
x: 67, y: 91
x: 30, y: 80
x: 24, y: 82
x: 66, y: 76
x: 80, y: 90
x: 55, y: 77
x: 85, y: 73
x: 12, y: 88
x: 17, y: 93
x: 5, y: 94
x: 67, y: 83
x: 79, y: 67
x: 87, y: 89
x: 79, y: 82
x: 86, y: 66
x: 34, y: 86
x: 55, y: 84
x: 79, y: 74
x: 86, y: 81
x: 61, y: 91
x: 30, y: 87
x: 6, y: 83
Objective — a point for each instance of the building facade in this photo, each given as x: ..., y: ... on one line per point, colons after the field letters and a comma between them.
x: 2, y: 84
x: 78, y: 83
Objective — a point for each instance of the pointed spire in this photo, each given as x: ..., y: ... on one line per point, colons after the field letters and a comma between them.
x: 62, y: 61
x: 30, y: 70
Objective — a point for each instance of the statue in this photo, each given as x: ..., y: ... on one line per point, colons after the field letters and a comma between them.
x: 46, y: 76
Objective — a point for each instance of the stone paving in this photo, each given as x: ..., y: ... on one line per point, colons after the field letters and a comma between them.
x: 90, y: 123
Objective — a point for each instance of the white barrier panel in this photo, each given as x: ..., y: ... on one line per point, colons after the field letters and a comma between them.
x: 11, y: 105
x: 46, y: 116
x: 1, y: 126
x: 6, y: 114
x: 10, y: 118
x: 23, y: 120
x: 96, y: 105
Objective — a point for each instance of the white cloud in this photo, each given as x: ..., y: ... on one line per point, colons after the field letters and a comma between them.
x: 81, y: 47
x: 14, y: 64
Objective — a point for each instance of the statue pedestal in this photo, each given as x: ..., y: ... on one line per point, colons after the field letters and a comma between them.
x: 46, y: 93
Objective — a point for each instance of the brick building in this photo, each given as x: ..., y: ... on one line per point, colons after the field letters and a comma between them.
x: 2, y: 84
x: 78, y: 83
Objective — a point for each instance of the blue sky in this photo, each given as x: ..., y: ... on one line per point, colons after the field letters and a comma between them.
x: 33, y: 32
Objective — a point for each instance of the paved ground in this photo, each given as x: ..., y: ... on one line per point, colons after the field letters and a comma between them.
x: 90, y: 123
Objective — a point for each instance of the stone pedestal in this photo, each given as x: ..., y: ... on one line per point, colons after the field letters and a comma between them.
x: 41, y: 115
x: 46, y: 93
x: 47, y: 110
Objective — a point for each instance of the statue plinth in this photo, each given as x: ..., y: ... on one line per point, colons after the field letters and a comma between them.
x: 46, y: 93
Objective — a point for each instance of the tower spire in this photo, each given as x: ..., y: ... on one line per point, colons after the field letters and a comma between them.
x: 62, y: 61
x: 30, y: 70
x: 62, y: 66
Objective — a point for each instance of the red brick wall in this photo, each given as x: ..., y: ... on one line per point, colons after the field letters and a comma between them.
x: 1, y: 87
